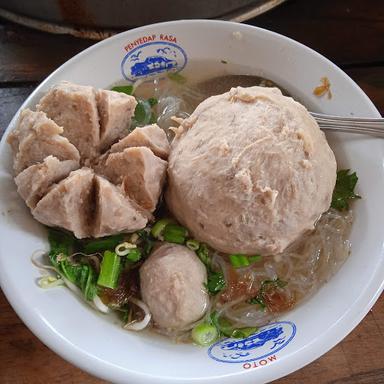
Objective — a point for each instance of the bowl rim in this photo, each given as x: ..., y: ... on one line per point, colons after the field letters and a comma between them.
x: 108, y: 371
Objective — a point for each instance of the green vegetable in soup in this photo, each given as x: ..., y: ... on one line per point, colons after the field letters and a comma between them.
x: 103, y: 244
x: 225, y: 327
x: 239, y: 260
x: 158, y: 228
x: 174, y: 233
x: 266, y: 285
x: 215, y: 282
x: 203, y: 253
x: 127, y: 89
x: 60, y: 243
x: 143, y: 113
x: 134, y: 255
x: 152, y: 101
x: 109, y: 270
x: 204, y: 334
x: 344, y: 189
x: 192, y: 244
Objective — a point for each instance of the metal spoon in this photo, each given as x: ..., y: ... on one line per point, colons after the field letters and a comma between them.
x: 372, y: 127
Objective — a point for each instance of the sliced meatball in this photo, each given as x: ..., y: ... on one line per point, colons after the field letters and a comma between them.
x: 37, y: 137
x: 115, y: 212
x: 33, y: 151
x: 31, y: 122
x: 74, y: 108
x: 151, y: 136
x: 141, y: 173
x: 115, y: 112
x: 34, y: 181
x: 68, y: 204
x: 99, y: 166
x: 172, y: 283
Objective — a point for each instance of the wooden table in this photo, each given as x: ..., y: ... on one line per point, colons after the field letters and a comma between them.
x: 349, y: 32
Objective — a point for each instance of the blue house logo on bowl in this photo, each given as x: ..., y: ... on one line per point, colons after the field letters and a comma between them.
x: 267, y: 341
x: 151, y: 59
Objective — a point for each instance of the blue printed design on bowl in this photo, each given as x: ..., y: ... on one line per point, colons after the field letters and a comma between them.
x: 267, y: 341
x: 151, y: 59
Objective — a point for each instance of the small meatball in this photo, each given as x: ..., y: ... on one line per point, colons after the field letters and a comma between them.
x: 151, y: 136
x: 172, y: 285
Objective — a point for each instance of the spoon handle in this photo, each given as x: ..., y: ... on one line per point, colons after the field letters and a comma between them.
x: 373, y: 127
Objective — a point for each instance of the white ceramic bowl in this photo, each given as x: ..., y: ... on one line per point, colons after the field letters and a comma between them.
x: 98, y: 345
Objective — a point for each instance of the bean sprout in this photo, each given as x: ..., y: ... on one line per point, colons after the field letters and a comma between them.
x: 136, y: 325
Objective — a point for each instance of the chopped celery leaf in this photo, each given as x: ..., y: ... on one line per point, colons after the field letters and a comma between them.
x: 127, y: 89
x: 344, y: 189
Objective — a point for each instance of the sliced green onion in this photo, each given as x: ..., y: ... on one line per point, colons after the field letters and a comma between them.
x: 204, y: 334
x: 254, y: 258
x: 158, y: 229
x: 174, y: 233
x: 242, y: 333
x: 123, y: 249
x: 50, y: 282
x: 109, y: 270
x: 127, y: 89
x: 134, y: 255
x: 203, y: 254
x: 103, y: 244
x: 192, y: 244
x: 238, y: 260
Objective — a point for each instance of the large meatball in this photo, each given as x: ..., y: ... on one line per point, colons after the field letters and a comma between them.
x: 172, y: 285
x: 250, y: 171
